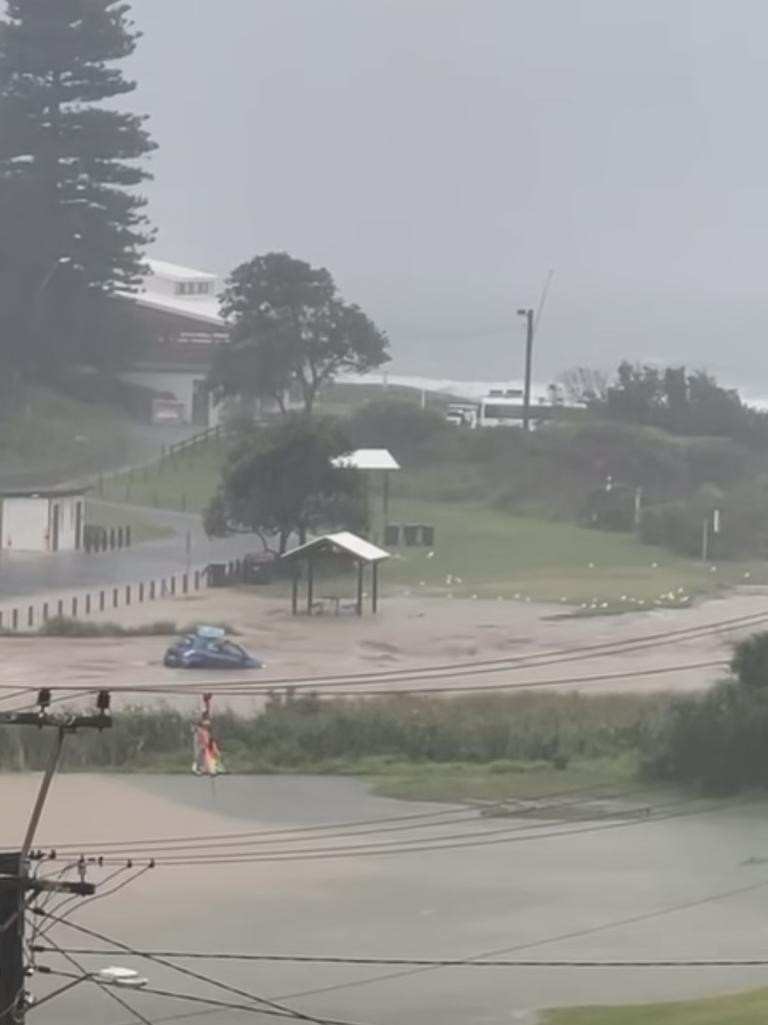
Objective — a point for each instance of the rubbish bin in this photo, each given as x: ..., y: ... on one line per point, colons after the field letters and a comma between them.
x: 428, y: 536
x: 217, y: 574
x: 257, y: 569
x: 392, y: 536
x: 411, y: 535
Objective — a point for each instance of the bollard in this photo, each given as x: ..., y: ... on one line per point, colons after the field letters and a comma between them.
x: 120, y: 537
x: 185, y: 583
x: 45, y: 612
x: 115, y: 598
x: 128, y: 537
x: 111, y: 537
x: 87, y: 604
x: 15, y: 620
x: 127, y: 594
x: 151, y: 590
x: 31, y: 616
x: 173, y: 586
x: 60, y: 608
x: 197, y: 579
x: 74, y: 608
x: 141, y: 593
x: 102, y: 601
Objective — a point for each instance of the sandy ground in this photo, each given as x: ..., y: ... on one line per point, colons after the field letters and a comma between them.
x: 407, y: 636
x: 455, y: 903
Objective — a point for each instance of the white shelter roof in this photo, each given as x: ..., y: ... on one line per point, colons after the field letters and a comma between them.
x: 368, y: 459
x: 344, y: 542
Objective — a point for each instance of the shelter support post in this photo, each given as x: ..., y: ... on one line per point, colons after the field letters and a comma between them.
x: 375, y: 587
x: 360, y: 581
x: 295, y: 592
x: 310, y: 584
x: 385, y: 498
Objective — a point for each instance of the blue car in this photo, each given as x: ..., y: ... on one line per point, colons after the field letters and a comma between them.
x: 208, y: 648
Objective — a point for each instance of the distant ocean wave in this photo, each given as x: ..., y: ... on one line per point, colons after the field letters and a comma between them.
x: 478, y: 389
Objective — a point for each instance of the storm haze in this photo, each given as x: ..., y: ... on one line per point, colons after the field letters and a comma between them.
x: 439, y: 156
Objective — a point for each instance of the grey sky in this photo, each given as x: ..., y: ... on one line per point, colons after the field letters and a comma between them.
x: 440, y: 155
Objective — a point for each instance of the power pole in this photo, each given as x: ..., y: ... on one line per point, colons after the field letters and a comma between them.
x: 15, y: 880
x: 528, y: 315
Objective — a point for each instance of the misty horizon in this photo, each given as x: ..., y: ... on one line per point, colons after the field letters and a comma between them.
x: 440, y: 156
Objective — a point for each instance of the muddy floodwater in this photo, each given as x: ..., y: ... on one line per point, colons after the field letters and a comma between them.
x: 514, y: 897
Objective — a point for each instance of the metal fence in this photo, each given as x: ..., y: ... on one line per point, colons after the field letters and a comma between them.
x: 24, y: 616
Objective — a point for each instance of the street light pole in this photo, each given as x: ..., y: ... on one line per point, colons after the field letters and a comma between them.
x: 528, y: 315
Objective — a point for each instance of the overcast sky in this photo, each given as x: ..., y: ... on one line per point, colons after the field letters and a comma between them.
x: 439, y: 156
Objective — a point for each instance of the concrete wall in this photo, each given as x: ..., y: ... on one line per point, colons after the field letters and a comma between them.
x: 27, y: 524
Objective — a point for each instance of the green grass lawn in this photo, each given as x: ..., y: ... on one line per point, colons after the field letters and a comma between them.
x: 742, y: 1009
x: 46, y: 431
x: 491, y: 781
x: 185, y: 483
x: 482, y: 551
x: 492, y: 554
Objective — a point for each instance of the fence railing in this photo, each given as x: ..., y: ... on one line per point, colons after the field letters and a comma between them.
x: 22, y: 616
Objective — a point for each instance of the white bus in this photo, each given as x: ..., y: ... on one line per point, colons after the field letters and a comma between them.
x: 502, y: 409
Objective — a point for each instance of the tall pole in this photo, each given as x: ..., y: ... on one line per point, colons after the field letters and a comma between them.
x: 15, y: 880
x: 528, y: 315
x: 12, y: 903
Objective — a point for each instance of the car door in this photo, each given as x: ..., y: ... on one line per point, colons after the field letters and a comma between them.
x: 234, y: 655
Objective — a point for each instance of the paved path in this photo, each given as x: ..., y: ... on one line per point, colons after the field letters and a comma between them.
x: 23, y: 574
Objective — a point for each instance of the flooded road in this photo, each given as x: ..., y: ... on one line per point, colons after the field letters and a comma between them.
x: 516, y: 896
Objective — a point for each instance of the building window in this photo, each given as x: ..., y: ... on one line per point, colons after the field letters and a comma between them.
x: 193, y: 288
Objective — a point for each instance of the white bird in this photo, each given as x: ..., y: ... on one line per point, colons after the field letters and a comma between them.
x: 430, y: 555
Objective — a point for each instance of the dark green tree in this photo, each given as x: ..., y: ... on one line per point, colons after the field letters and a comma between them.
x: 291, y: 333
x: 72, y: 226
x: 282, y: 480
x: 750, y: 661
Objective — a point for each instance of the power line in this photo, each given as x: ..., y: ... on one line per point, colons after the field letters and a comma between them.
x: 264, y: 1002
x: 161, y: 850
x: 557, y: 656
x: 429, y: 962
x: 417, y: 846
x: 104, y: 988
x: 287, y: 832
x: 574, y: 934
x: 530, y: 945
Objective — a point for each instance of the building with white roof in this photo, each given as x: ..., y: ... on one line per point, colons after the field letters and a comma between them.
x: 178, y: 309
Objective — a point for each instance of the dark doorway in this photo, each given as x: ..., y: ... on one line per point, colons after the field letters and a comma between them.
x: 78, y: 525
x: 55, y: 518
x: 200, y: 403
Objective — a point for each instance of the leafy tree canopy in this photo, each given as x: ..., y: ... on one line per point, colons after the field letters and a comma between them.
x: 72, y: 226
x: 291, y: 332
x: 281, y: 480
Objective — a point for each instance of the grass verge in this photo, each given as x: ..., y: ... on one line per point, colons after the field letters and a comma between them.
x: 741, y: 1009
x: 495, y: 781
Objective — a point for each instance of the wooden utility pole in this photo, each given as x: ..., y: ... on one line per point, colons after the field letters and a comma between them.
x: 15, y: 880
x: 528, y: 315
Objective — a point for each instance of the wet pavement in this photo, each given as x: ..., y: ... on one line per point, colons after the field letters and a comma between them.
x: 682, y: 887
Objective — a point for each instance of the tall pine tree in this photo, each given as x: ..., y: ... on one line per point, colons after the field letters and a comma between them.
x: 72, y: 225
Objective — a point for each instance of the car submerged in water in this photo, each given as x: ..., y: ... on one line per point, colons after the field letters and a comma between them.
x: 209, y: 648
